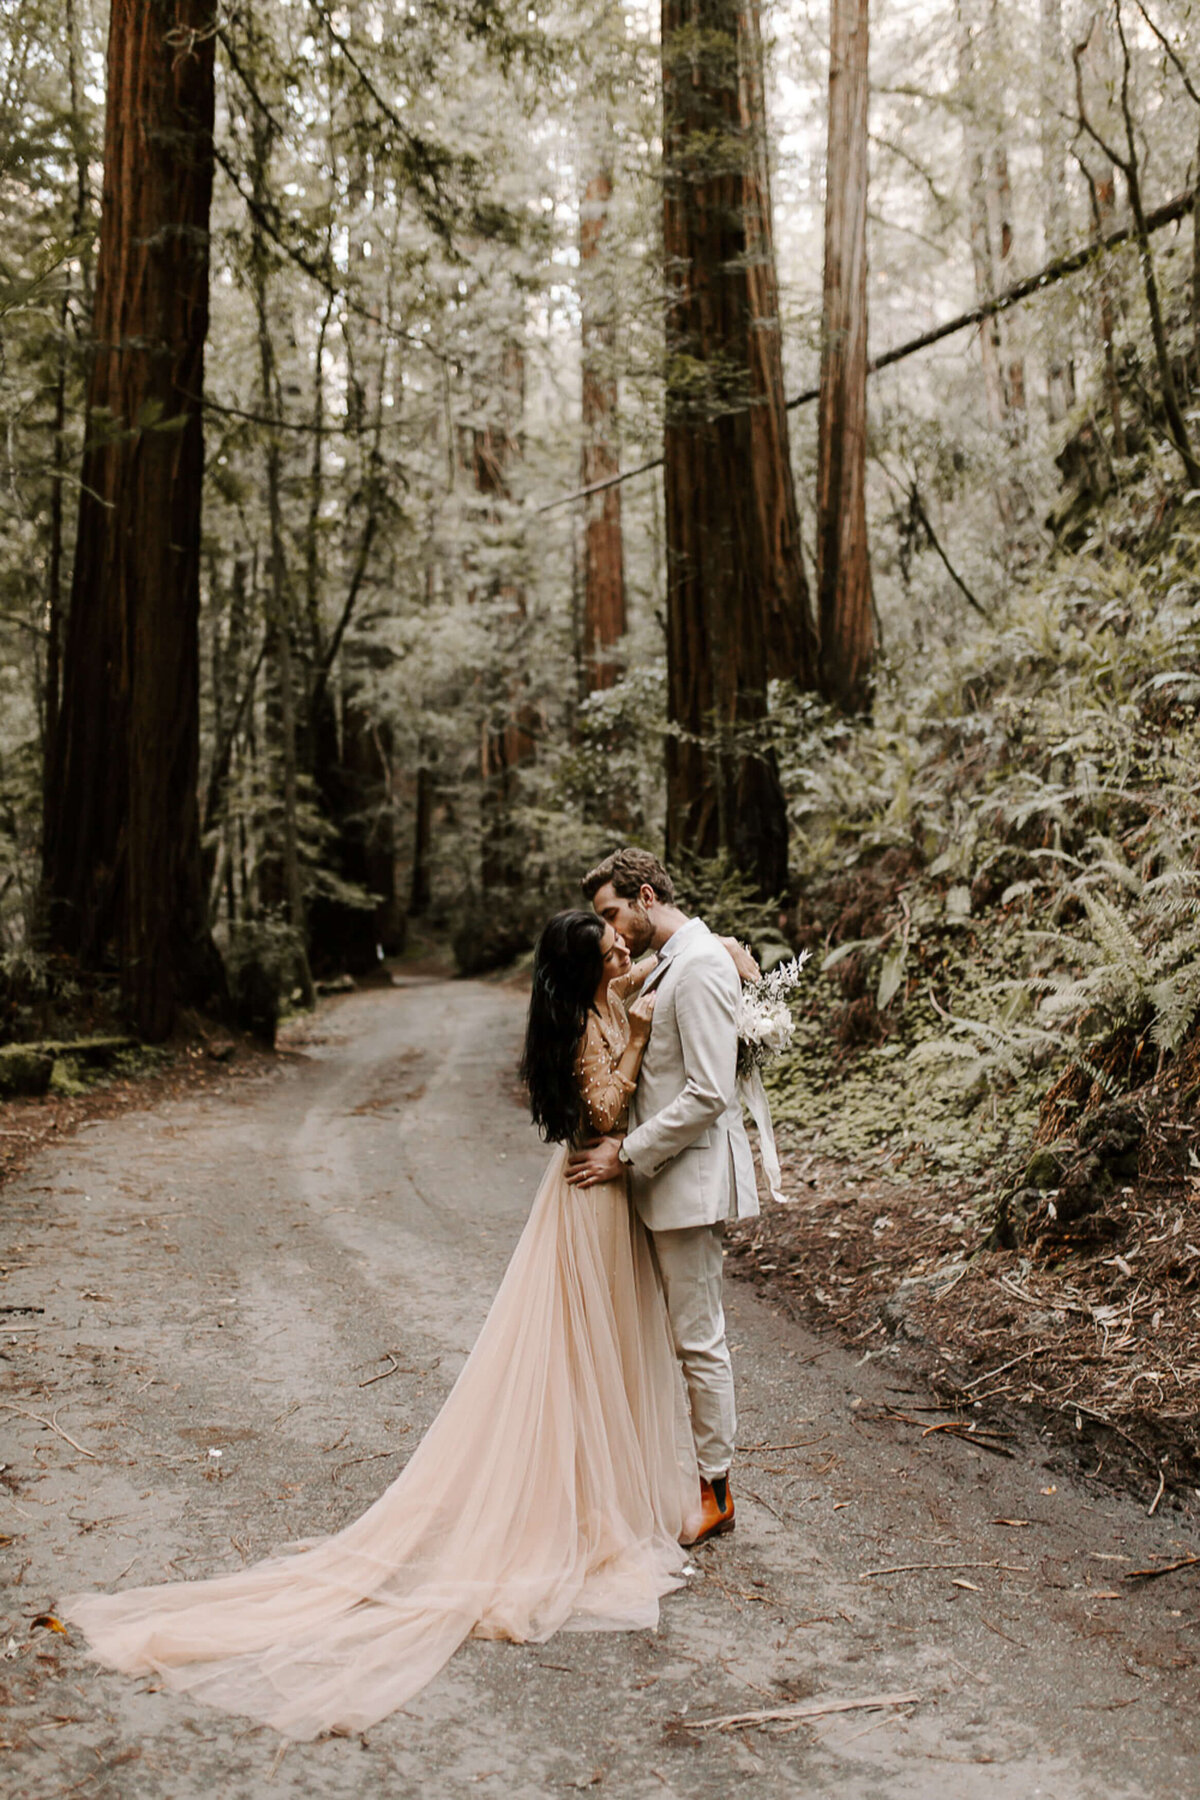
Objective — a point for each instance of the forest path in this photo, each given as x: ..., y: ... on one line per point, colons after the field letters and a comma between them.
x: 228, y: 1272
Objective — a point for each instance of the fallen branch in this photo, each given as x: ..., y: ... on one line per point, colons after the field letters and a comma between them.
x: 911, y: 1568
x: 975, y: 1385
x: 1153, y: 1506
x: 11, y: 1406
x: 1067, y: 1406
x: 967, y: 1434
x: 967, y: 1425
x: 1054, y: 1304
x: 1170, y: 213
x: 1185, y: 1562
x: 771, y: 1510
x: 800, y: 1444
x: 808, y: 1709
x: 374, y: 1456
x: 384, y: 1373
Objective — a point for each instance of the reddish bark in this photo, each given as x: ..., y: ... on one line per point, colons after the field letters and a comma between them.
x: 723, y: 791
x: 791, y: 633
x: 510, y: 739
x: 845, y: 606
x: 122, y: 853
x: 604, y: 560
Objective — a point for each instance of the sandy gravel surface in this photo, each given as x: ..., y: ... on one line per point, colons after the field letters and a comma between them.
x: 227, y: 1272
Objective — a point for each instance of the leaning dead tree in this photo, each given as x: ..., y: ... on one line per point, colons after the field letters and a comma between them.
x: 122, y: 847
x: 1087, y: 256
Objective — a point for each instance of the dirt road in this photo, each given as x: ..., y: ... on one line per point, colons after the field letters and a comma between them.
x: 255, y: 1300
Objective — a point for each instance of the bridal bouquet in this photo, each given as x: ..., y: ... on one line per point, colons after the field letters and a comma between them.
x: 765, y: 1023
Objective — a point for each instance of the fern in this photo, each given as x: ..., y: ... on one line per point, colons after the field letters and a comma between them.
x: 1176, y: 1002
x: 1117, y: 943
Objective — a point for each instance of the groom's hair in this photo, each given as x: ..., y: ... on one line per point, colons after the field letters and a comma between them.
x: 630, y: 871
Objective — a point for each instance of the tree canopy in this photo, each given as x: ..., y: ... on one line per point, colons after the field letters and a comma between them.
x: 448, y: 273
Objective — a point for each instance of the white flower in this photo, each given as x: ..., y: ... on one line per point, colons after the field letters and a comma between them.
x: 764, y: 1020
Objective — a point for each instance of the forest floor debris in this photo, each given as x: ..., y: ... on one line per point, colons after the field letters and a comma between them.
x: 807, y: 1709
x: 191, y: 1064
x: 264, y: 1250
x: 1097, y: 1344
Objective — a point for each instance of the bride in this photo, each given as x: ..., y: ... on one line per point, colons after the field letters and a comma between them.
x: 553, y: 1490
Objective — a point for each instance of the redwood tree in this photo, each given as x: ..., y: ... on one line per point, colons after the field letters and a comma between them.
x: 603, y: 556
x: 122, y: 851
x: 845, y: 606
x: 723, y: 791
x: 990, y: 223
x: 791, y: 634
x: 509, y: 735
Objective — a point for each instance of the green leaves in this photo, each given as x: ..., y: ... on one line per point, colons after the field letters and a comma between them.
x: 891, y: 976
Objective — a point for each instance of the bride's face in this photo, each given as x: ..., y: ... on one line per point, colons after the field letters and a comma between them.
x: 617, y: 960
x: 627, y: 917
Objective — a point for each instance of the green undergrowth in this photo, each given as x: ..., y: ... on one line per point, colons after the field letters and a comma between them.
x: 76, y: 1074
x: 897, y: 1104
x: 999, y: 870
x: 72, y: 1067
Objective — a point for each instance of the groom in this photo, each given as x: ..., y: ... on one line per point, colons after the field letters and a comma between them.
x: 686, y: 1146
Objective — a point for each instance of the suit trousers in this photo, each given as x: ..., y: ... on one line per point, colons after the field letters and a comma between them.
x: 692, y: 1265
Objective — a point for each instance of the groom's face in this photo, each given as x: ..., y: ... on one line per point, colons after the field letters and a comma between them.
x: 627, y: 917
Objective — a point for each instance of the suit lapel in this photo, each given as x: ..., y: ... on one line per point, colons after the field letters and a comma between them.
x: 672, y: 962
x: 655, y: 976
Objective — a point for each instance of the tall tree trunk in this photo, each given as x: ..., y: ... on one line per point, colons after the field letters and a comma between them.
x: 1102, y: 187
x: 350, y: 754
x: 351, y: 937
x: 421, y: 890
x: 1002, y: 216
x: 234, y: 675
x: 1196, y: 276
x: 976, y: 144
x: 316, y: 493
x: 846, y: 612
x: 990, y: 226
x: 1129, y: 163
x: 723, y: 791
x: 1000, y: 196
x: 122, y: 849
x: 790, y: 630
x: 1060, y: 368
x: 54, y: 560
x: 603, y: 557
x: 508, y: 738
x: 1096, y: 70
x: 279, y: 608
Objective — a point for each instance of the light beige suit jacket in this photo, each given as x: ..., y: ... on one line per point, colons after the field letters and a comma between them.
x: 687, y: 1143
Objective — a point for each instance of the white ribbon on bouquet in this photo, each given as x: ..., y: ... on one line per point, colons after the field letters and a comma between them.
x: 753, y: 1096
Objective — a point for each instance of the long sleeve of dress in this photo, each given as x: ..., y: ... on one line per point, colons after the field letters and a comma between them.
x: 605, y: 1090
x: 628, y: 987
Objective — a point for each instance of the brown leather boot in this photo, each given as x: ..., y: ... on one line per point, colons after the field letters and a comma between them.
x: 716, y: 1511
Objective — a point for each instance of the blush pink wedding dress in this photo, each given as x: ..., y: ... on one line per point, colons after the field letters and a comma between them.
x: 549, y: 1493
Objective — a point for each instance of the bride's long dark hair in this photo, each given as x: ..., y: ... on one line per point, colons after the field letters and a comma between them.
x: 567, y: 967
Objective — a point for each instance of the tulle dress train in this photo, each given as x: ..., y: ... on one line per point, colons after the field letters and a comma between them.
x: 549, y: 1494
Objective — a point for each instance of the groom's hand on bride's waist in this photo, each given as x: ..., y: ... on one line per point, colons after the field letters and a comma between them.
x: 598, y: 1160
